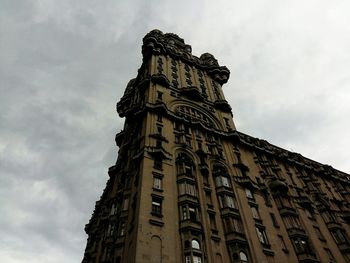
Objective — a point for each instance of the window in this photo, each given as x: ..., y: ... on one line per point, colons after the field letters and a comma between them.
x: 255, y: 212
x: 187, y: 188
x: 113, y: 209
x: 157, y: 183
x: 212, y: 222
x: 156, y: 206
x: 188, y: 170
x: 227, y: 201
x: 243, y: 257
x: 262, y: 236
x: 328, y: 217
x: 177, y: 139
x: 249, y: 193
x: 319, y: 233
x: 126, y: 203
x: 282, y: 243
x: 233, y: 225
x: 301, y: 246
x: 159, y: 130
x: 197, y: 259
x: 292, y: 222
x: 208, y: 198
x: 185, y: 214
x: 309, y: 213
x: 193, y: 214
x: 159, y: 144
x: 121, y: 231
x: 195, y: 244
x: 330, y: 255
x: 159, y: 117
x: 222, y: 181
x: 110, y: 231
x: 188, y: 259
x: 158, y: 164
x: 274, y: 220
x: 339, y: 236
x: 159, y: 95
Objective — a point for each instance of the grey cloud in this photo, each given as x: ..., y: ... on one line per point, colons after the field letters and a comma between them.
x: 64, y: 64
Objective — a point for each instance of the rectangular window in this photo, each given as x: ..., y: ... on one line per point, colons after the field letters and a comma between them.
x: 188, y: 259
x: 177, y: 139
x: 122, y: 229
x: 110, y: 231
x: 249, y: 193
x: 185, y: 214
x: 229, y: 201
x: 212, y: 222
x: 262, y: 236
x: 125, y: 203
x: 197, y: 259
x: 237, y: 225
x: 292, y: 222
x: 225, y: 181
x: 274, y: 220
x: 156, y: 206
x: 339, y: 236
x: 330, y: 255
x: 255, y: 212
x: 158, y: 163
x: 159, y: 144
x: 282, y: 243
x: 113, y: 209
x: 319, y: 233
x: 157, y: 183
x: 301, y: 245
x: 159, y: 130
x: 159, y: 95
x: 192, y: 214
x: 188, y: 170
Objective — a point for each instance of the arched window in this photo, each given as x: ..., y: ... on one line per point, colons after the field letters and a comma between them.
x: 195, y: 244
x: 243, y: 257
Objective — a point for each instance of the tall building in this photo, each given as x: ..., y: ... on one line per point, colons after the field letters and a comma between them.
x: 188, y: 187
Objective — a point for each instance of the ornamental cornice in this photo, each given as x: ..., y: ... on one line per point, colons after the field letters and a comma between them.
x: 292, y: 157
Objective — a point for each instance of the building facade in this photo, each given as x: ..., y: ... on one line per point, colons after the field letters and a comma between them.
x: 188, y: 187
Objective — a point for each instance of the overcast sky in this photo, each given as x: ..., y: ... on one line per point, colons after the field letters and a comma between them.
x: 64, y: 65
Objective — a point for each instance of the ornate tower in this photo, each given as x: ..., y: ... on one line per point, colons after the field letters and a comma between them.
x: 187, y: 187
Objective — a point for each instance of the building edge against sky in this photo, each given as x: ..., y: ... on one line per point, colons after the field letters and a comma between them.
x: 188, y: 187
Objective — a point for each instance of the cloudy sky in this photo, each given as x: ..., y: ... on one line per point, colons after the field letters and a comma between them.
x: 64, y: 65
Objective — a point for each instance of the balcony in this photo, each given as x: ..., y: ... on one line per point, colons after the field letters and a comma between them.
x: 307, y: 258
x: 284, y: 210
x: 278, y: 187
x: 235, y: 237
x: 161, y: 80
x: 296, y: 232
x: 190, y: 225
x: 346, y: 216
x: 222, y: 105
x: 186, y: 198
x: 229, y: 211
x: 192, y: 92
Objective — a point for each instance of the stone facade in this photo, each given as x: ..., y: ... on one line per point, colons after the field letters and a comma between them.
x: 188, y: 187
